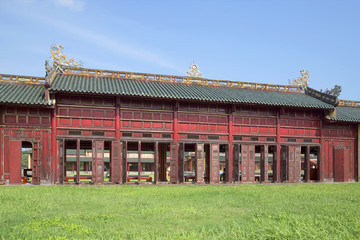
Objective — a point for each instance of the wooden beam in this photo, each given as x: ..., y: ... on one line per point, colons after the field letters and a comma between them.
x: 278, y: 148
x: 117, y: 119
x: 176, y: 125
x: 139, y: 161
x: 156, y: 158
x: 307, y: 164
x: 229, y: 172
x: 321, y: 154
x: 54, y: 157
x: 77, y: 160
x: 358, y: 155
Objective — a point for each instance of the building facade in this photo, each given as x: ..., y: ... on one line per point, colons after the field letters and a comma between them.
x: 95, y: 126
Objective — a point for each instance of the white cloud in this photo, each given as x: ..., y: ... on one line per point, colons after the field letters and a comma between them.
x: 74, y: 5
x: 112, y: 44
x: 97, y: 38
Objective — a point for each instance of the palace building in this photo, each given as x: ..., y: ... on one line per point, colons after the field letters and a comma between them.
x: 78, y: 125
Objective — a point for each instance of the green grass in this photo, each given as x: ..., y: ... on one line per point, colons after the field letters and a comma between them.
x: 303, y: 211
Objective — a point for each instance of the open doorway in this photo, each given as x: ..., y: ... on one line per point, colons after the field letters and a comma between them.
x: 189, y: 162
x: 314, y: 164
x: 304, y: 164
x: 259, y: 162
x: 140, y: 162
x: 107, y: 161
x: 164, y: 162
x: 132, y: 160
x: 223, y: 162
x: 70, y: 160
x: 283, y: 163
x: 26, y: 162
x: 271, y: 166
x: 147, y: 162
x: 207, y: 163
x: 78, y: 167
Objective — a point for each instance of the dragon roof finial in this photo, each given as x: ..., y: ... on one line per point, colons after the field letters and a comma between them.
x: 59, y: 58
x: 194, y: 71
x: 302, y: 81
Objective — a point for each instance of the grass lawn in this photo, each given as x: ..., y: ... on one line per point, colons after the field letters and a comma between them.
x: 303, y: 211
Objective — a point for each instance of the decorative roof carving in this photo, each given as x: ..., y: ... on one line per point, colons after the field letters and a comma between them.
x: 333, y: 100
x: 302, y: 81
x: 194, y: 71
x: 349, y: 103
x: 59, y: 61
x: 334, y: 91
x: 59, y: 58
x: 180, y: 79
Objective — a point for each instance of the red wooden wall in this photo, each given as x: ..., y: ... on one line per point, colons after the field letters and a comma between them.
x: 146, y: 115
x: 90, y: 116
x: 204, y: 122
x: 340, y: 136
x: 302, y: 124
x: 25, y: 124
x: 95, y: 117
x: 254, y: 121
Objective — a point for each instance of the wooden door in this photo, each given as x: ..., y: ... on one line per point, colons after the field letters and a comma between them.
x: 98, y: 161
x: 251, y: 173
x: 247, y: 163
x: 15, y: 162
x: 36, y: 163
x: 244, y: 163
x: 347, y: 157
x: 116, y: 162
x: 61, y: 159
x: 124, y: 162
x: 228, y: 171
x: 181, y: 162
x: 236, y: 162
x: 294, y: 163
x: 199, y: 174
x: 341, y: 164
x: 264, y: 163
x: 174, y: 162
x: 283, y: 163
x: 214, y: 163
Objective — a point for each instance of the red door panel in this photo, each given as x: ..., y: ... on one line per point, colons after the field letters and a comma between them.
x: 116, y: 162
x: 15, y: 162
x: 173, y: 162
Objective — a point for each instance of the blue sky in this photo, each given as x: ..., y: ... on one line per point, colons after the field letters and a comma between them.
x: 266, y: 41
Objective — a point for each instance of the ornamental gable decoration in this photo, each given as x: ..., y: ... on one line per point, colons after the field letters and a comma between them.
x: 302, y: 81
x: 59, y: 58
x: 194, y: 71
x: 59, y: 62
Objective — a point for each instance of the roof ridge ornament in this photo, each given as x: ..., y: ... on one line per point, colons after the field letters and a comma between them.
x: 59, y: 62
x: 194, y: 71
x: 59, y: 58
x: 302, y: 81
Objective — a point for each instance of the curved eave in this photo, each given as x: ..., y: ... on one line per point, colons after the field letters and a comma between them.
x: 215, y: 100
x: 49, y: 105
x: 185, y: 92
x: 23, y: 94
x: 347, y: 120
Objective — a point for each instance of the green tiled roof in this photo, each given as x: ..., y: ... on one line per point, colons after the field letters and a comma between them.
x: 29, y: 94
x: 124, y: 87
x: 347, y: 114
